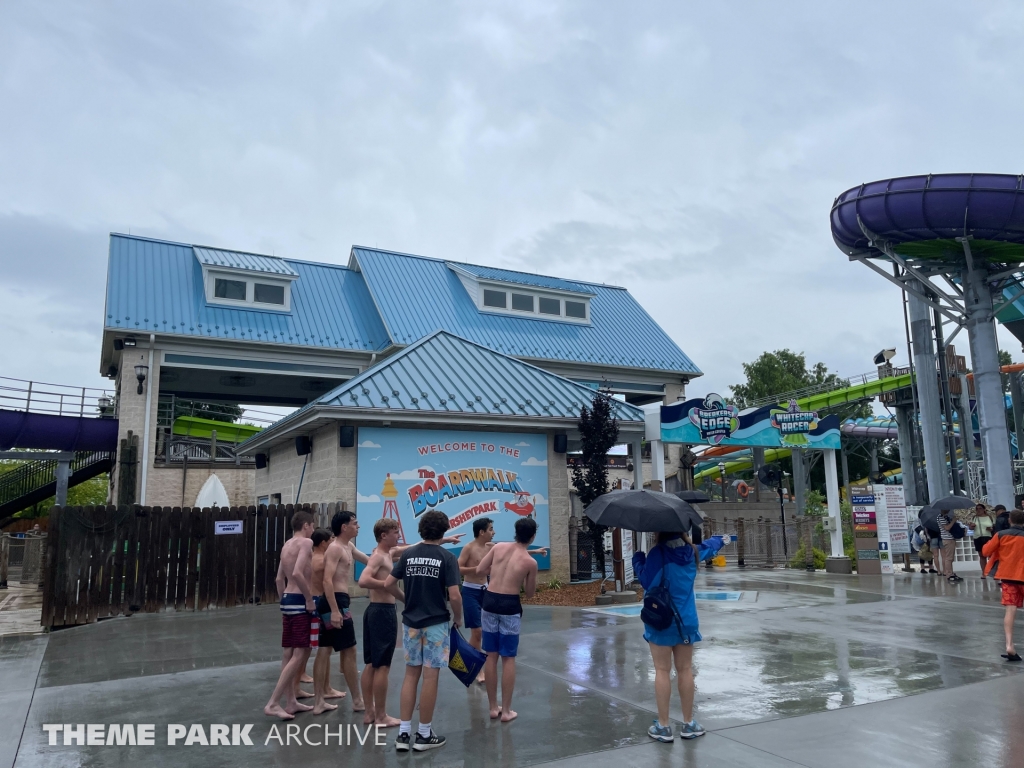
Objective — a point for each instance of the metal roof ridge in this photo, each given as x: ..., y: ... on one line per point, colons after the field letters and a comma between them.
x: 235, y: 250
x: 485, y: 266
x: 151, y: 239
x: 441, y: 332
x: 534, y: 274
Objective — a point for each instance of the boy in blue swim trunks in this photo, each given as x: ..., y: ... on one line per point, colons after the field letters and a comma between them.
x: 510, y: 566
x: 473, y: 585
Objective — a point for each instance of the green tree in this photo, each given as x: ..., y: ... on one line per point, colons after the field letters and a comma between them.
x: 778, y: 373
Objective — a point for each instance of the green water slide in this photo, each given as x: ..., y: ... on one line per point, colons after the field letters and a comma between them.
x: 855, y: 392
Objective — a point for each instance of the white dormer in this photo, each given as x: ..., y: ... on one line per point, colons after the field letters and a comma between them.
x: 246, y: 280
x: 535, y: 297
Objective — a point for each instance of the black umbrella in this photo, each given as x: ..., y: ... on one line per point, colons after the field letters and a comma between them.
x: 644, y: 511
x: 929, y: 516
x: 693, y: 497
x: 948, y: 503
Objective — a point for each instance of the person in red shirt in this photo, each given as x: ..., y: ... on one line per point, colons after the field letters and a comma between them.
x: 1005, y: 553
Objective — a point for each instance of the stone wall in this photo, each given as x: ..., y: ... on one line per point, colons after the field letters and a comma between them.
x: 165, y: 484
x: 330, y: 471
x: 558, y: 515
x: 131, y: 411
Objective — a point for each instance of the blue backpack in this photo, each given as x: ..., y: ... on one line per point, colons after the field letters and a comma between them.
x: 659, y: 611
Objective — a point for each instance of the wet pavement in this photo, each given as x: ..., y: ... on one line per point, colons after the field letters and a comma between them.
x: 803, y: 670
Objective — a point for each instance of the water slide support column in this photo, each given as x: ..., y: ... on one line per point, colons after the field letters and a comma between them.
x: 988, y: 387
x: 927, y: 383
x: 903, y: 426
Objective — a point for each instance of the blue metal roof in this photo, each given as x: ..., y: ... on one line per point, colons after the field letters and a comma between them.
x: 250, y: 262
x: 417, y: 295
x: 523, y: 278
x: 444, y: 373
x: 155, y: 286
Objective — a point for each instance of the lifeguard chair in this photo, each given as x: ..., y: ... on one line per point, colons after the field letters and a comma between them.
x: 390, y: 493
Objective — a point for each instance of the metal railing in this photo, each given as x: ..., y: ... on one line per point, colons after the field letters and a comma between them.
x: 816, y: 389
x: 176, y: 449
x: 55, y: 399
x: 976, y: 486
x: 35, y: 474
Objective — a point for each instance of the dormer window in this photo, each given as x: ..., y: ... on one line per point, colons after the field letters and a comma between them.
x: 265, y: 293
x: 223, y: 288
x: 246, y: 280
x: 544, y: 299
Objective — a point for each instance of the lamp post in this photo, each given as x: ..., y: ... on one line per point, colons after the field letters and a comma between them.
x: 140, y: 374
x: 721, y: 470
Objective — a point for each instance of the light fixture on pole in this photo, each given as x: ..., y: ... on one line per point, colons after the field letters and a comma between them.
x: 721, y: 470
x: 140, y: 374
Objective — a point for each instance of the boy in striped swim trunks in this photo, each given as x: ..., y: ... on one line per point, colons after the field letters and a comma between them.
x: 510, y: 566
x: 293, y: 577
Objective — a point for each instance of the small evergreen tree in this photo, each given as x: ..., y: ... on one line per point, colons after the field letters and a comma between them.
x: 599, y: 432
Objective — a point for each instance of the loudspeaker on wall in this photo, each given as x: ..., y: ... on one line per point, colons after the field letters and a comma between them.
x: 347, y: 437
x: 303, y: 445
x: 561, y: 443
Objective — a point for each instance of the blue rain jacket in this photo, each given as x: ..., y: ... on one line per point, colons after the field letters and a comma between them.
x: 677, y: 558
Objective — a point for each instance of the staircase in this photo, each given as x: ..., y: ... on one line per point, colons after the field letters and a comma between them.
x: 35, y: 481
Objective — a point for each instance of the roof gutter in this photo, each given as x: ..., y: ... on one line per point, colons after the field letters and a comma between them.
x: 335, y: 413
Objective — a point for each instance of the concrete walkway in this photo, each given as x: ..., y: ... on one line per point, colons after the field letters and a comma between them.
x: 805, y: 670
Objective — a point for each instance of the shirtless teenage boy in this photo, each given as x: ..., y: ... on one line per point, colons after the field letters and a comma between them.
x: 510, y: 567
x: 321, y: 540
x: 472, y: 584
x: 293, y: 577
x: 380, y: 624
x: 339, y: 630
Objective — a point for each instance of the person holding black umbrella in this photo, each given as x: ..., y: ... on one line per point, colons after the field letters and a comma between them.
x: 667, y: 576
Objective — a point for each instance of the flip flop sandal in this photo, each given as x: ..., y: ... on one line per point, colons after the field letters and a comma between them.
x: 1011, y: 656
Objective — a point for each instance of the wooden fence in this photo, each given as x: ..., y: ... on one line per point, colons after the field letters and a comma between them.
x: 109, y: 561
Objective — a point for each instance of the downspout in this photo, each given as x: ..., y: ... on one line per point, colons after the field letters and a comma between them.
x: 145, y: 430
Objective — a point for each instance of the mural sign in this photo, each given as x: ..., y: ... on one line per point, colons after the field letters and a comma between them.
x: 404, y: 473
x: 712, y: 421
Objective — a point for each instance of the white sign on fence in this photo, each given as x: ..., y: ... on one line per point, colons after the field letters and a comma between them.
x: 221, y: 527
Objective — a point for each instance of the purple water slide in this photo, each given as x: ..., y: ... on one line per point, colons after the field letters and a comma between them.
x: 942, y: 206
x: 22, y: 430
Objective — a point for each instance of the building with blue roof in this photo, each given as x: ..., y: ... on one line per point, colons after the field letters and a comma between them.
x: 196, y: 323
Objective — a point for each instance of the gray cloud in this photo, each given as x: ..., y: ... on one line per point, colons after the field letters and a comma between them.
x: 688, y: 153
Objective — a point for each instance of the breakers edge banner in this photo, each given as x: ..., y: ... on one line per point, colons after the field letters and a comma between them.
x: 712, y: 421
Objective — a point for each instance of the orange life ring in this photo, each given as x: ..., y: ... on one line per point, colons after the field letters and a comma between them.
x: 742, y: 489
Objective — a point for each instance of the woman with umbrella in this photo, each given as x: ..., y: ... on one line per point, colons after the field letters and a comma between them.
x: 667, y: 576
x: 673, y: 562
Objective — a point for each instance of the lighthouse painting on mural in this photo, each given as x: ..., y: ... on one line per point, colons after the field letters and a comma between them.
x: 404, y: 473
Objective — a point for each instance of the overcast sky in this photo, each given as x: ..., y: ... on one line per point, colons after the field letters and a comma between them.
x: 687, y: 151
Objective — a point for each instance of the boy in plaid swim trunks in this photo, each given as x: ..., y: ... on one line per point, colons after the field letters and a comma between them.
x: 293, y: 577
x: 429, y: 573
x: 1005, y: 553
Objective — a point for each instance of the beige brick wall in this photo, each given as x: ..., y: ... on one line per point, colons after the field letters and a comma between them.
x: 131, y: 407
x: 558, y: 515
x: 165, y: 484
x: 330, y: 471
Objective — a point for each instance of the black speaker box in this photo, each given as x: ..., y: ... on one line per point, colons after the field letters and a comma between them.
x: 303, y: 445
x: 261, y: 461
x: 347, y: 437
x: 561, y: 443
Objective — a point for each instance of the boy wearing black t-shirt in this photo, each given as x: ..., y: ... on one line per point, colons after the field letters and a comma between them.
x: 429, y: 574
